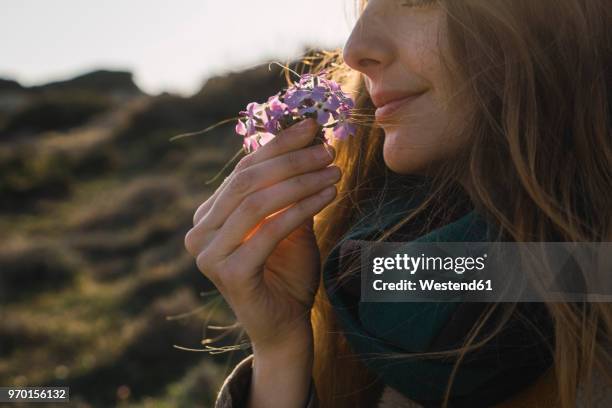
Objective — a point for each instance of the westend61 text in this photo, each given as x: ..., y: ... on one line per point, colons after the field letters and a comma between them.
x: 432, y: 285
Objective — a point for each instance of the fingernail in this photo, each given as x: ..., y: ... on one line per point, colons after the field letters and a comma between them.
x: 332, y: 173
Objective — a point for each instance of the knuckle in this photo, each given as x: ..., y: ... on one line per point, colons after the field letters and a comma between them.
x: 241, y: 182
x: 204, y: 224
x: 199, y: 213
x: 198, y: 238
x: 205, y: 265
x: 244, y: 163
x: 189, y: 241
x: 196, y: 217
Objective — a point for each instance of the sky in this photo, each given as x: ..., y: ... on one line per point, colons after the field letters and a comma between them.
x: 169, y: 45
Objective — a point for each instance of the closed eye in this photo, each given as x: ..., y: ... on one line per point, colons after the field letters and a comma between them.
x: 417, y: 3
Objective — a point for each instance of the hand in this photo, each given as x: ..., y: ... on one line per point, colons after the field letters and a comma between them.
x: 253, y: 237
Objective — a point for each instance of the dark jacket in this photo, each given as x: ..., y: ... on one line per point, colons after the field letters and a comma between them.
x: 235, y: 391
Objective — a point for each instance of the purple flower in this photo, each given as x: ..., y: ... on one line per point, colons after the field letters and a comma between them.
x: 247, y: 124
x: 306, y: 79
x: 241, y: 128
x: 343, y: 127
x: 319, y: 94
x: 246, y: 127
x: 312, y: 96
x: 345, y: 100
x: 252, y: 143
x: 322, y: 110
x: 276, y: 109
x: 294, y: 97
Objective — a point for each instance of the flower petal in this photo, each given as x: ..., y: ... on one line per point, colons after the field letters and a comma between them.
x: 241, y: 128
x: 322, y: 117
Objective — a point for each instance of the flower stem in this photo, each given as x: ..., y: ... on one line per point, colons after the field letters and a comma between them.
x: 199, y: 132
x: 233, y: 159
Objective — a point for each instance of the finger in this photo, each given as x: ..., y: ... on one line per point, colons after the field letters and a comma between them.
x: 197, y: 239
x: 263, y: 175
x: 260, y: 245
x: 206, y: 205
x: 295, y: 137
x: 263, y: 203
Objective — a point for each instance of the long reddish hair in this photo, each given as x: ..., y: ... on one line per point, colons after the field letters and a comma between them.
x: 539, y: 162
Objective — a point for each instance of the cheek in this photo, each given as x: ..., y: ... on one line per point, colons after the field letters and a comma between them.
x: 426, y: 132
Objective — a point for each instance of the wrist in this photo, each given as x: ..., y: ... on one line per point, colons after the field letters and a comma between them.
x: 288, y: 369
x: 294, y: 346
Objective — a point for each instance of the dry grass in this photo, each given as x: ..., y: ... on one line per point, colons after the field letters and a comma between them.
x: 92, y: 262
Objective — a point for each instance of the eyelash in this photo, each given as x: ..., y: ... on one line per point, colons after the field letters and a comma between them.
x: 417, y: 3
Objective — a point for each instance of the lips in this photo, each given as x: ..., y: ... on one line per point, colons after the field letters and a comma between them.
x: 389, y: 103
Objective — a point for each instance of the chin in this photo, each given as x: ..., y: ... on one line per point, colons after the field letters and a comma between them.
x: 401, y: 158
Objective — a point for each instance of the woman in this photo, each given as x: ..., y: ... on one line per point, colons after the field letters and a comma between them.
x: 492, y: 111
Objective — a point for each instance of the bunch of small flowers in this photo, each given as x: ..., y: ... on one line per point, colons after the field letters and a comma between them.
x: 313, y: 96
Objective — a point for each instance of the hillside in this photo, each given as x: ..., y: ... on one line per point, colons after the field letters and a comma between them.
x: 95, y: 285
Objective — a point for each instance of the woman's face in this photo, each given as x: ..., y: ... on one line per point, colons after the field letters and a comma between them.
x: 397, y: 46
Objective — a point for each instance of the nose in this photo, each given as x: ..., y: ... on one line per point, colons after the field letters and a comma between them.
x: 369, y: 49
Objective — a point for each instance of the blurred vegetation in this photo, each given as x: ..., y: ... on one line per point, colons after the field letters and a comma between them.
x: 96, y: 287
x: 56, y: 112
